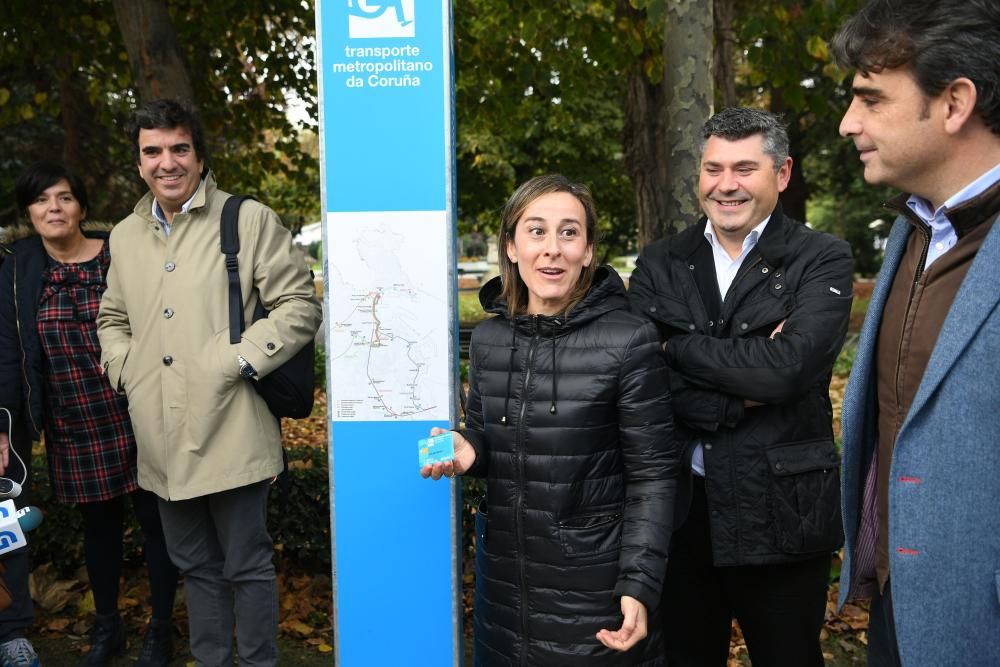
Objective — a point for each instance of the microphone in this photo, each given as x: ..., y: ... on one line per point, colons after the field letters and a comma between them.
x: 29, y: 518
x: 14, y: 523
x: 9, y: 488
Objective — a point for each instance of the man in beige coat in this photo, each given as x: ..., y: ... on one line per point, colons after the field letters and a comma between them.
x: 208, y: 445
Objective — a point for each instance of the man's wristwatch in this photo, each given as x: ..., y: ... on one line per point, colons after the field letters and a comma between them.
x: 246, y: 370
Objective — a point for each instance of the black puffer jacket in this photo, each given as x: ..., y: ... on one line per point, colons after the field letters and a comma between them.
x: 22, y: 362
x: 573, y: 432
x: 772, y: 470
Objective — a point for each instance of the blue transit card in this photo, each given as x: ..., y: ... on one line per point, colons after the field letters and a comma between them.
x: 436, y: 449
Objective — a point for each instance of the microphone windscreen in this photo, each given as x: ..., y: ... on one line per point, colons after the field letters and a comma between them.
x: 30, y: 518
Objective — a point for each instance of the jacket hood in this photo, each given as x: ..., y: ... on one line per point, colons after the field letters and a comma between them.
x: 606, y: 293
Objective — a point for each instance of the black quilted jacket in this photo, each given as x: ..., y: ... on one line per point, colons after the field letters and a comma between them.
x: 772, y: 470
x: 573, y: 432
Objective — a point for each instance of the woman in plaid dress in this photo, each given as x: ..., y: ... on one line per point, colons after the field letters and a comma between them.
x: 50, y: 292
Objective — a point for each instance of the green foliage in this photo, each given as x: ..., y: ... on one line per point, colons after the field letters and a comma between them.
x: 59, y: 540
x: 847, y: 206
x: 298, y: 518
x: 469, y: 309
x: 67, y: 98
x: 845, y: 360
x: 539, y: 88
x: 319, y: 367
x: 788, y: 67
x: 299, y: 509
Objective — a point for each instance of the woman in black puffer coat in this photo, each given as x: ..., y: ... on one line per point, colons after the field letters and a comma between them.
x: 569, y: 421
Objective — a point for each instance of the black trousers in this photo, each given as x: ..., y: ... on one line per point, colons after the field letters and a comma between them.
x: 780, y: 608
x: 103, y: 529
x: 883, y: 651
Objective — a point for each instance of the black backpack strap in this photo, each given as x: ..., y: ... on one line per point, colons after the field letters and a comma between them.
x: 229, y: 235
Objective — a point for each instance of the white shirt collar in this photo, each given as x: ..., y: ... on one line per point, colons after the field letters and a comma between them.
x: 158, y: 212
x: 748, y: 242
x: 936, y: 218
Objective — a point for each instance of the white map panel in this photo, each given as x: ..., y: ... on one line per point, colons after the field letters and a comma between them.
x: 389, y: 325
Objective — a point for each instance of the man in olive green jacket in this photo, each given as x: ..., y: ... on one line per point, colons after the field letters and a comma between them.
x: 208, y: 445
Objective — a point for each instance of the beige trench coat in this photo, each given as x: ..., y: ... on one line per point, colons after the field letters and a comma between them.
x: 164, y: 330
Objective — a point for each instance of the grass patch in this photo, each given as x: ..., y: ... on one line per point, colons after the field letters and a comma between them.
x: 469, y: 309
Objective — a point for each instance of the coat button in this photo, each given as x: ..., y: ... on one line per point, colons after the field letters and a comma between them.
x: 777, y: 286
x: 691, y: 327
x: 711, y: 323
x: 167, y: 360
x: 652, y: 309
x: 169, y: 266
x: 721, y: 321
x: 764, y: 270
x: 270, y: 346
x: 708, y: 446
x: 691, y: 266
x: 744, y: 326
x: 168, y: 313
x: 779, y: 466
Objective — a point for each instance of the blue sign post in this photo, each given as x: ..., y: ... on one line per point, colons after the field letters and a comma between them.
x: 387, y: 141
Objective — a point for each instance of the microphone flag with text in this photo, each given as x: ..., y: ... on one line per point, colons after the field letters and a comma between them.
x: 14, y: 523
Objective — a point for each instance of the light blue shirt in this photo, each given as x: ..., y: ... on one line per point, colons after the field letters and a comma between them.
x: 943, y: 234
x: 725, y: 272
x: 158, y: 212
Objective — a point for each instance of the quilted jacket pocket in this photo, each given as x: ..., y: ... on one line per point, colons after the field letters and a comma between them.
x: 590, y: 534
x: 804, y: 496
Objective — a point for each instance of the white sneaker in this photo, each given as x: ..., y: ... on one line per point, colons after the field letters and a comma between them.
x: 18, y: 653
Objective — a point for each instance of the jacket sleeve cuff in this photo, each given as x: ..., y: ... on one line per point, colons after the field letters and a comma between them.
x: 113, y: 367
x: 478, y: 441
x: 649, y: 598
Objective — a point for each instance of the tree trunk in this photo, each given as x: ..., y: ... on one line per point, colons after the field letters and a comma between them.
x: 75, y: 111
x: 687, y: 57
x: 723, y: 63
x: 645, y: 153
x: 151, y: 42
x: 795, y: 196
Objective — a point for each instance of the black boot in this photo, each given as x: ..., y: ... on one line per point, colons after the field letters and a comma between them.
x: 157, y: 644
x: 107, y: 640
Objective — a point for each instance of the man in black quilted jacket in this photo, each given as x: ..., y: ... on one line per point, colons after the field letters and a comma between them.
x: 752, y: 308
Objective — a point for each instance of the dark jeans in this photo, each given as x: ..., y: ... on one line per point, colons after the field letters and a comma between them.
x: 780, y: 608
x: 103, y: 525
x: 883, y: 651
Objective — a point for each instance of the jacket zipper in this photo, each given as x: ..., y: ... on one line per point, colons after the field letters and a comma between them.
x: 518, y: 514
x: 732, y: 460
x: 926, y: 232
x: 24, y: 354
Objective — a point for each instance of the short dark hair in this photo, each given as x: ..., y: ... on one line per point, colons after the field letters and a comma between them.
x: 41, y: 176
x: 513, y: 290
x: 167, y: 114
x: 937, y: 41
x: 737, y: 123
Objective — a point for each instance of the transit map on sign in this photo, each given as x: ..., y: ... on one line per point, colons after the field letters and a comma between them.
x: 388, y: 315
